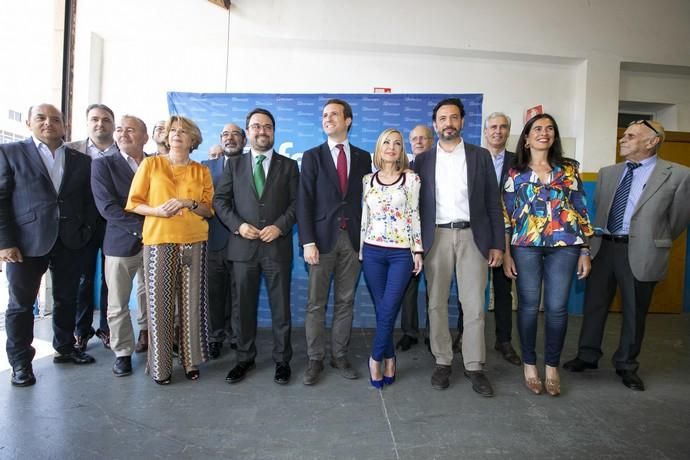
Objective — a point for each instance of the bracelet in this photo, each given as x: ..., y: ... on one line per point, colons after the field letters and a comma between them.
x: 585, y: 252
x: 194, y: 205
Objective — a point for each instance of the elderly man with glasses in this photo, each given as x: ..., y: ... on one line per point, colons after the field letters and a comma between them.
x: 642, y: 206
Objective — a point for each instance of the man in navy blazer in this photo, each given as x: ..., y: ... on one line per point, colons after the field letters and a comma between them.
x: 111, y: 178
x: 220, y: 281
x: 329, y: 219
x: 47, y: 216
x: 255, y: 199
x: 462, y: 233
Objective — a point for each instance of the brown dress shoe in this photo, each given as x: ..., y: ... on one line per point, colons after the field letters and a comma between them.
x: 142, y: 342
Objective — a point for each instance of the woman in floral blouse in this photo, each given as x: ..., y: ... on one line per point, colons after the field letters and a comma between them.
x: 391, y: 245
x: 547, y: 226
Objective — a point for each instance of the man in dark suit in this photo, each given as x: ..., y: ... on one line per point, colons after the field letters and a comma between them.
x: 642, y: 206
x: 47, y: 216
x: 496, y: 132
x: 329, y: 214
x: 462, y: 232
x: 111, y: 178
x: 100, y: 123
x: 220, y: 281
x: 255, y: 199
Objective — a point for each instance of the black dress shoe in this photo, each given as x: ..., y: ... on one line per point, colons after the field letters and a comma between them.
x: 480, y: 384
x: 122, y: 366
x: 81, y: 341
x: 283, y: 373
x: 631, y: 379
x: 105, y: 337
x: 214, y: 349
x: 238, y: 372
x: 406, y: 342
x: 578, y: 365
x: 76, y: 357
x: 23, y: 376
x: 508, y: 352
x: 440, y: 378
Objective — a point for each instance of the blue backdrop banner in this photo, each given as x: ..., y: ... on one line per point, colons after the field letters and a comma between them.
x: 298, y: 128
x: 298, y: 116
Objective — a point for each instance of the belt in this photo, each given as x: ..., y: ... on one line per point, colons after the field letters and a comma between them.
x: 615, y: 238
x: 461, y: 225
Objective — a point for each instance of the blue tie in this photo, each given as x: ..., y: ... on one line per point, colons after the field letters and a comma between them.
x: 620, y: 200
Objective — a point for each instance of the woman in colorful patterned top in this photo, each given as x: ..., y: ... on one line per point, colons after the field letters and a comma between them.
x: 175, y: 195
x: 547, y: 226
x: 391, y: 244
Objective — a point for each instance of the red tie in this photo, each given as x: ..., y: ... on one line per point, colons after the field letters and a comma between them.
x: 342, y: 169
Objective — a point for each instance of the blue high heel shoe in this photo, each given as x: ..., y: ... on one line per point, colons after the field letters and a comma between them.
x: 378, y: 384
x: 389, y: 380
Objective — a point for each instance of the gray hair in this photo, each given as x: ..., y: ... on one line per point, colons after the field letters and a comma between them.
x: 496, y: 115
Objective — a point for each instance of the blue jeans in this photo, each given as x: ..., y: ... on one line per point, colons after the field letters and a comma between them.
x: 387, y: 272
x: 555, y: 266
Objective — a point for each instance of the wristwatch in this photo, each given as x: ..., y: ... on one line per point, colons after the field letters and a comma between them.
x: 194, y: 205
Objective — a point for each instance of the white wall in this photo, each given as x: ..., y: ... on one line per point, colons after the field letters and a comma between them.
x: 565, y: 54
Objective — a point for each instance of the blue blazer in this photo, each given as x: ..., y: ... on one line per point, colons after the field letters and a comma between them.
x: 32, y: 214
x: 320, y: 203
x: 486, y: 212
x: 217, y: 232
x: 111, y: 178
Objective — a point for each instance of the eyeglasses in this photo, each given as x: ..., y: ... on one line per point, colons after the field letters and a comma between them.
x: 257, y: 127
x: 647, y: 124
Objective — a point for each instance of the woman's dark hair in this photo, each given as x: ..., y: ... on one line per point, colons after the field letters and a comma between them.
x: 555, y: 157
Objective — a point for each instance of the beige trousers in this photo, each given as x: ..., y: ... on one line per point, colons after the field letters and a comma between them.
x: 454, y: 250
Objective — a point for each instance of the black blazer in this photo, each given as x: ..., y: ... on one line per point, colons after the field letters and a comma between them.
x: 320, y: 204
x: 486, y: 212
x: 111, y: 178
x: 236, y: 202
x: 217, y: 232
x: 32, y: 214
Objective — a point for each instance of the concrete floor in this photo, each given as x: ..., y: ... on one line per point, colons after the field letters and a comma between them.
x: 85, y: 413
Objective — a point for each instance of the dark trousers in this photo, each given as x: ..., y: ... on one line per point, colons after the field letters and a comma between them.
x: 220, y: 292
x: 409, y: 316
x: 247, y: 281
x: 24, y: 280
x: 387, y: 272
x: 503, y: 306
x: 555, y: 267
x: 85, y: 296
x: 611, y: 269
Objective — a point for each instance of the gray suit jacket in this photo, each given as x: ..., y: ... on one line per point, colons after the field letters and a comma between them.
x: 236, y: 202
x: 662, y: 213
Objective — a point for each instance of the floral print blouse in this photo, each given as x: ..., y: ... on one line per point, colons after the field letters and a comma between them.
x: 546, y: 215
x: 390, y: 212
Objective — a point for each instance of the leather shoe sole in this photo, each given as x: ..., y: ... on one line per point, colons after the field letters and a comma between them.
x: 239, y: 372
x: 23, y: 377
x: 480, y: 384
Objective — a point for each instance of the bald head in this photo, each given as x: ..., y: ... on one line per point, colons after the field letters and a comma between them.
x: 421, y: 139
x: 232, y: 139
x: 46, y: 124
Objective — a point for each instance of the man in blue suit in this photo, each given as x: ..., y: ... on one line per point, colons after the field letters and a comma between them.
x: 462, y: 235
x: 47, y: 216
x: 220, y: 290
x: 329, y: 214
x: 111, y: 178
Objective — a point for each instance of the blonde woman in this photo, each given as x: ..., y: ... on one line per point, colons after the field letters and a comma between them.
x: 391, y: 245
x: 175, y: 194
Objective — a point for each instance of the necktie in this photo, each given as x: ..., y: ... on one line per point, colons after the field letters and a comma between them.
x: 342, y: 169
x: 259, y: 175
x: 620, y: 200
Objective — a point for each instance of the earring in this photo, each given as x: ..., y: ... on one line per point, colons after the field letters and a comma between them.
x: 526, y: 146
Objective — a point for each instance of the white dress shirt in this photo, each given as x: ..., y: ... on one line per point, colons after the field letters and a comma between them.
x: 452, y: 192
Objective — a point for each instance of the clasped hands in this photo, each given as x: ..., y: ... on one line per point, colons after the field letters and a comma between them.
x: 172, y: 206
x: 266, y: 234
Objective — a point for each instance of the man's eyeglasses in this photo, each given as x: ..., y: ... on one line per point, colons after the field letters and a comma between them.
x: 257, y: 127
x: 647, y: 124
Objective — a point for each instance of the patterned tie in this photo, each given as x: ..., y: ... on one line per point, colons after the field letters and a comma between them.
x: 620, y: 200
x: 342, y: 169
x: 259, y: 175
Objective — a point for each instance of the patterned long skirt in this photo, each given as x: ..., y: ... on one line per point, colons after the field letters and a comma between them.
x: 176, y: 277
